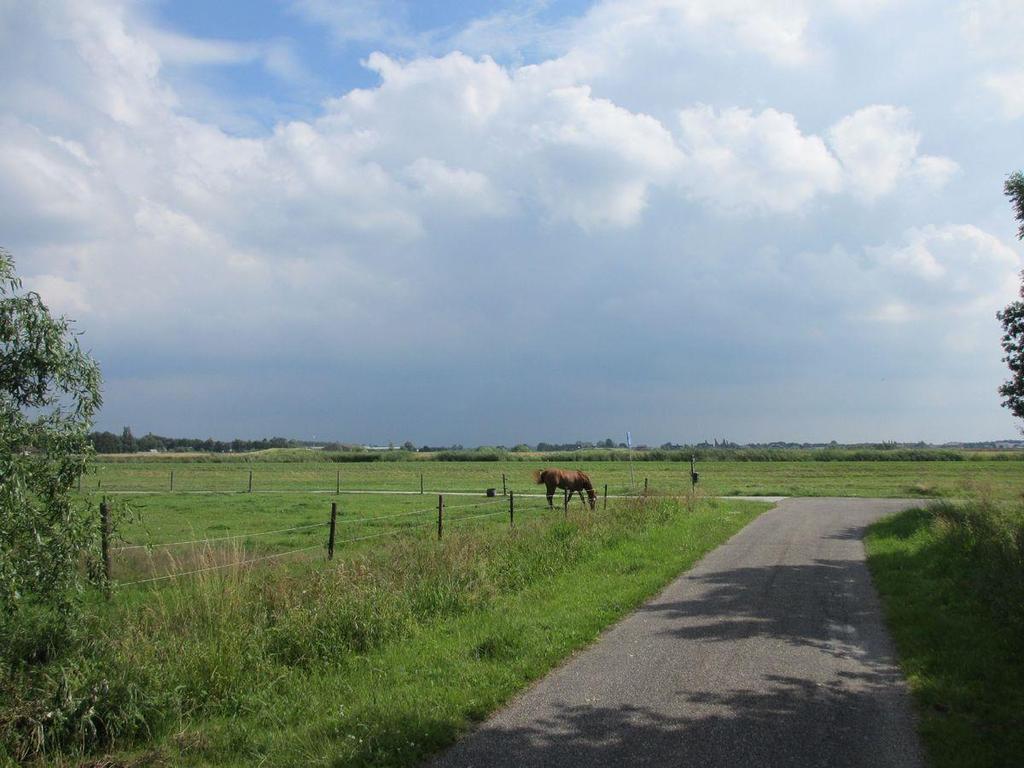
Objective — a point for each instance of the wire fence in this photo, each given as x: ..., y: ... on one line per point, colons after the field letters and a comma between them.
x: 511, y: 505
x: 104, y: 480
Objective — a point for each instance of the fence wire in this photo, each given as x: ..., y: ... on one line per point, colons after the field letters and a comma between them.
x: 218, y: 538
x: 531, y: 502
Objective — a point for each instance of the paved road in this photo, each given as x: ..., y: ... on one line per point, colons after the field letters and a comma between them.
x: 770, y: 652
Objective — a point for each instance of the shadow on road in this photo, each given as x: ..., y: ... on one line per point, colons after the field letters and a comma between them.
x: 825, y: 610
x: 791, y: 723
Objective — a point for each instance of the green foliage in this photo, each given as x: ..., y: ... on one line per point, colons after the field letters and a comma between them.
x: 1014, y: 189
x: 952, y: 580
x: 49, y: 392
x: 1012, y: 316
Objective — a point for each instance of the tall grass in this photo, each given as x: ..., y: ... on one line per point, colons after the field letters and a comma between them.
x: 952, y: 580
x: 219, y: 645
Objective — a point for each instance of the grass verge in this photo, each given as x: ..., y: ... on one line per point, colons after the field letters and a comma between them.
x: 952, y: 581
x: 380, y: 659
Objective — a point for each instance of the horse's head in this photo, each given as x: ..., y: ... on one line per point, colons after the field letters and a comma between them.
x: 592, y: 495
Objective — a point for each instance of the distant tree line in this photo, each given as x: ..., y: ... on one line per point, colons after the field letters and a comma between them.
x: 126, y: 442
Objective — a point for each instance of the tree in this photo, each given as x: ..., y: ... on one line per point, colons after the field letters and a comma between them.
x: 1012, y: 317
x: 49, y: 393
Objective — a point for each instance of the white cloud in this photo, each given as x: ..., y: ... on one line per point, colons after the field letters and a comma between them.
x: 878, y: 148
x: 953, y: 276
x: 739, y: 160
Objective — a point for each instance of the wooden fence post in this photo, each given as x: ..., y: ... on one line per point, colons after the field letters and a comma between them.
x: 504, y: 488
x: 421, y: 483
x: 606, y: 495
x: 105, y: 542
x: 337, y: 484
x: 250, y: 481
x: 172, y: 481
x: 330, y: 536
x: 440, y: 515
x: 512, y: 510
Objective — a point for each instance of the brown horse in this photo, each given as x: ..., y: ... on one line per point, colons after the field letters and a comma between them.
x: 571, y: 480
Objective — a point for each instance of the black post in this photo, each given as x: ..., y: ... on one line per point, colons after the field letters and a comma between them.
x: 172, y: 481
x: 421, y: 483
x: 645, y: 485
x: 512, y: 510
x: 565, y: 502
x: 330, y: 536
x: 337, y: 484
x: 105, y: 541
x: 504, y: 488
x: 440, y: 515
x: 693, y: 474
x: 250, y: 481
x: 606, y: 495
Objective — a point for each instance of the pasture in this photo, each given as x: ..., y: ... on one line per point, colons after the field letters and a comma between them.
x: 1004, y: 479
x: 289, y: 505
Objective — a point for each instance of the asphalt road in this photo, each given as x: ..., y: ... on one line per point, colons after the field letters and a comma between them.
x: 770, y: 652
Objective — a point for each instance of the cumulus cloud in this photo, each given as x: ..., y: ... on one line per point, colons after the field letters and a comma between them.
x: 878, y: 148
x: 739, y: 160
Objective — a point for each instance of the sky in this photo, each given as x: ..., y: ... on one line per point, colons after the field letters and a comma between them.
x: 503, y: 222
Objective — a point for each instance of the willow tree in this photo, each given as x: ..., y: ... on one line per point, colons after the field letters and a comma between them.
x: 49, y: 393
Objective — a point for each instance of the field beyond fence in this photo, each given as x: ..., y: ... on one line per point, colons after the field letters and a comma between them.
x: 191, y: 516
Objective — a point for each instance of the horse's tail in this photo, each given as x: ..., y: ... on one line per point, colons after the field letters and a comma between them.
x: 538, y: 476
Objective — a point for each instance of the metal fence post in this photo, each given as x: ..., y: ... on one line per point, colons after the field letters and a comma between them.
x: 172, y: 481
x: 330, y: 537
x: 504, y: 487
x: 250, y: 481
x: 337, y: 484
x: 565, y: 501
x: 440, y: 515
x: 606, y: 495
x: 512, y: 509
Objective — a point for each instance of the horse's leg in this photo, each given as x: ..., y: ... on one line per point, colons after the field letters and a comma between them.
x: 551, y: 496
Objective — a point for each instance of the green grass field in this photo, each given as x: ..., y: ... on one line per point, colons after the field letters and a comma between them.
x: 379, y: 658
x: 211, y: 503
x: 1004, y: 479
